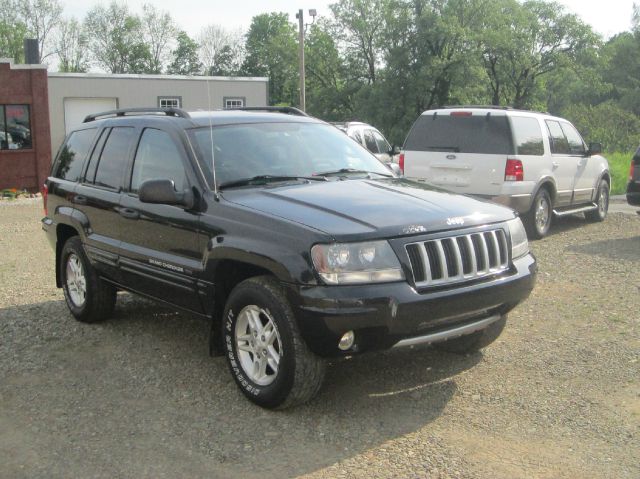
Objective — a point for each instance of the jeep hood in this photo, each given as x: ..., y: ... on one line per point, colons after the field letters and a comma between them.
x: 354, y: 209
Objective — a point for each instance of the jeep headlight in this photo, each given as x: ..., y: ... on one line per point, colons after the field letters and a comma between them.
x: 356, y: 263
x: 519, y: 243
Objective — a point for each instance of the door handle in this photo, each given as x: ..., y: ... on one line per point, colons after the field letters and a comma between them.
x: 555, y: 164
x: 129, y: 213
x: 80, y: 200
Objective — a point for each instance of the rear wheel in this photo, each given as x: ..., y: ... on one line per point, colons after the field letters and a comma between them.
x: 89, y: 298
x: 475, y: 341
x: 602, y: 201
x: 538, y: 218
x: 268, y: 358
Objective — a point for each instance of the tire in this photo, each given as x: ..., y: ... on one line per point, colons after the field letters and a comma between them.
x: 602, y: 200
x: 538, y: 218
x: 475, y: 341
x: 253, y: 349
x: 89, y: 298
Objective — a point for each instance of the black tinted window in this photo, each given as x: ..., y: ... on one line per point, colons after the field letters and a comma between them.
x: 489, y: 134
x: 576, y: 145
x: 114, y: 157
x: 559, y: 143
x: 72, y: 155
x: 157, y: 158
x: 528, y: 135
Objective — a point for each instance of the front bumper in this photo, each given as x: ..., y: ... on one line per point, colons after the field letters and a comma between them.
x: 383, y: 315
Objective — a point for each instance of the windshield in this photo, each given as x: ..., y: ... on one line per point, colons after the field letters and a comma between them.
x: 279, y: 149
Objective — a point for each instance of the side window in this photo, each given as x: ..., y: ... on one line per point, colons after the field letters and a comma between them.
x: 90, y: 174
x: 110, y: 172
x: 73, y: 153
x: 383, y: 146
x: 356, y: 135
x: 370, y: 141
x: 527, y: 135
x: 158, y: 157
x: 559, y: 143
x: 576, y: 144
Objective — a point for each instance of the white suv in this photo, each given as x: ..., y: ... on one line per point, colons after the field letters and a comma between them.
x: 370, y: 138
x: 535, y: 163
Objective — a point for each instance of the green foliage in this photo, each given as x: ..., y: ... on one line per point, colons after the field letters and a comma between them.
x: 12, y: 31
x: 616, y: 128
x: 619, y: 168
x: 71, y: 46
x: 271, y: 47
x: 185, y: 57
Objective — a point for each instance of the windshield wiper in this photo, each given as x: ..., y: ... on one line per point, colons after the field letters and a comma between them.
x: 264, y: 179
x: 343, y: 171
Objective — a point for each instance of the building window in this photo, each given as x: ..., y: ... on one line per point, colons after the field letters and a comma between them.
x: 230, y: 103
x: 15, y: 127
x: 170, y: 101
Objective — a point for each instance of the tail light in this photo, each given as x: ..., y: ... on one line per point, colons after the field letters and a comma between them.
x: 45, y: 195
x: 401, y: 162
x: 513, y: 170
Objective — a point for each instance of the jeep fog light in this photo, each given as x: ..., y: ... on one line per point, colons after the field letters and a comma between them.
x: 519, y: 243
x: 347, y: 340
x: 356, y: 263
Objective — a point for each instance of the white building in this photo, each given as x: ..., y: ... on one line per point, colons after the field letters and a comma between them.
x: 72, y: 96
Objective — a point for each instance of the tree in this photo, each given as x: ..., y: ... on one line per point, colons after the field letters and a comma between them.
x: 185, y: 57
x: 159, y: 31
x: 271, y: 51
x: 220, y: 50
x: 116, y: 41
x: 12, y: 31
x: 623, y: 69
x: 41, y: 17
x: 71, y: 46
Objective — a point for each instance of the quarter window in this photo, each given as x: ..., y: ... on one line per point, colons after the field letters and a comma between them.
x: 559, y: 143
x: 15, y: 127
x: 72, y: 154
x: 527, y: 135
x: 370, y: 141
x: 158, y: 157
x: 230, y: 103
x: 110, y: 172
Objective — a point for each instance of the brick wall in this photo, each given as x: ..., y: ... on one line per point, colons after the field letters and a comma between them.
x: 26, y: 85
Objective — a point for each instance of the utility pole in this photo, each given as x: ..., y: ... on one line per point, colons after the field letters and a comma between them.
x: 300, y: 17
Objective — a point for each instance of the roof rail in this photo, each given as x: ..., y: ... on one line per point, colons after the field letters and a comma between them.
x: 137, y: 111
x: 484, y: 107
x: 289, y: 110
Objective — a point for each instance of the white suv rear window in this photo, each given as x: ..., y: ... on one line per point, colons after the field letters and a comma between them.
x: 527, y: 135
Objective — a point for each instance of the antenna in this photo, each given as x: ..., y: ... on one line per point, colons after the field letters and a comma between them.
x: 213, y: 157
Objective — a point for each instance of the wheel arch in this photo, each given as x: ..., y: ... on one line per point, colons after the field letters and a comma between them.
x: 63, y: 233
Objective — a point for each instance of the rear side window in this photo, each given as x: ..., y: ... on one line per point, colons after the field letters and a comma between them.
x: 158, y: 158
x: 110, y: 172
x: 527, y: 135
x: 73, y: 153
x: 559, y: 143
x: 488, y: 134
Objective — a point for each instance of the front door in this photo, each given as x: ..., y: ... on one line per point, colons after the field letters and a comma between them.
x: 564, y: 164
x: 160, y: 251
x: 586, y: 171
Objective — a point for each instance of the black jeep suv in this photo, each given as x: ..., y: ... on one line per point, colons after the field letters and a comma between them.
x: 291, y: 238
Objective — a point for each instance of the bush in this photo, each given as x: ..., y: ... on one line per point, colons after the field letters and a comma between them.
x: 619, y: 169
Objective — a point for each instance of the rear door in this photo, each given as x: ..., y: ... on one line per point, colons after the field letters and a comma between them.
x: 161, y: 255
x: 462, y: 151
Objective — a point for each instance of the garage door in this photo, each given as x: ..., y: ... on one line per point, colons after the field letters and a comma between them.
x: 75, y: 109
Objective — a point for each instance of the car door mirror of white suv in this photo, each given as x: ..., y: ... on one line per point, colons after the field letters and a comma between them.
x: 395, y: 150
x: 594, y: 149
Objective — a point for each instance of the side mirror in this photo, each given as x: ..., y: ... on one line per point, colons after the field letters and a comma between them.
x: 594, y: 149
x: 395, y: 168
x: 395, y: 150
x: 163, y: 192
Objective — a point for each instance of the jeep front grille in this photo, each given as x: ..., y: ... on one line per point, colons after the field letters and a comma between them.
x: 458, y: 258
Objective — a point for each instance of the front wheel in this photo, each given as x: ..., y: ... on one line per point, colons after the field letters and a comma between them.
x: 538, y: 219
x: 268, y: 358
x: 475, y: 341
x: 602, y: 201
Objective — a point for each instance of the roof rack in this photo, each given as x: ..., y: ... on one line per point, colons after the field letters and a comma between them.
x: 484, y: 107
x: 289, y: 110
x: 137, y: 111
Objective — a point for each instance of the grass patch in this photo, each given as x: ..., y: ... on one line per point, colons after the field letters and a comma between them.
x: 619, y: 169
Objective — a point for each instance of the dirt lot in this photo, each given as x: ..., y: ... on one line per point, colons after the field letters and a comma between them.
x: 137, y: 396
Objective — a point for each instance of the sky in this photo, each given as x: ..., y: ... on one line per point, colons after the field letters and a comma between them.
x: 606, y: 17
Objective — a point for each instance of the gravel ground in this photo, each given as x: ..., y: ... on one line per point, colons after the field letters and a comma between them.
x: 558, y: 395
